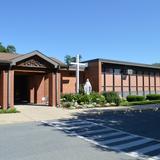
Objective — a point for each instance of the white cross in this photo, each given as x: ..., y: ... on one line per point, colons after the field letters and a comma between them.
x: 78, y: 64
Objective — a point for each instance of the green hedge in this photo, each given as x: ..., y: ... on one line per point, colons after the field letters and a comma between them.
x: 140, y: 103
x: 135, y: 98
x: 153, y: 97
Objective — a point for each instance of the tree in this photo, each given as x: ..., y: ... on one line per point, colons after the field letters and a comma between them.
x: 156, y: 64
x: 9, y: 48
x: 68, y: 59
x: 2, y: 48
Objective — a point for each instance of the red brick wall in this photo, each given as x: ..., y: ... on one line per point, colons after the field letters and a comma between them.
x: 151, y: 78
x: 3, y: 89
x: 68, y: 81
x: 94, y: 73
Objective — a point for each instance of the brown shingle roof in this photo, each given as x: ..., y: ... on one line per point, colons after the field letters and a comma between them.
x: 11, y: 57
x: 8, y: 56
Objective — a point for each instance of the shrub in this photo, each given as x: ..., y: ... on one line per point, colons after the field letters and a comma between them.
x: 81, y: 89
x: 117, y: 101
x: 84, y: 99
x: 140, y: 103
x: 67, y: 97
x: 10, y: 110
x: 67, y: 104
x: 97, y: 98
x: 112, y: 97
x: 153, y: 97
x: 134, y: 98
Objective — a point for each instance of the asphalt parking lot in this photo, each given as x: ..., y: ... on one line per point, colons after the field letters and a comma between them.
x: 35, y: 141
x: 103, y: 134
x: 135, y: 132
x: 142, y: 122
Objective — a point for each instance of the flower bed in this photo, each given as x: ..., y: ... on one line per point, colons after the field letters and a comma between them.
x: 89, y: 101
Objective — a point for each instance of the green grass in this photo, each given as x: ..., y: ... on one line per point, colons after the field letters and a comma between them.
x: 10, y: 110
x: 125, y: 103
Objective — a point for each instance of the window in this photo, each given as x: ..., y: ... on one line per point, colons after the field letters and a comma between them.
x: 117, y: 71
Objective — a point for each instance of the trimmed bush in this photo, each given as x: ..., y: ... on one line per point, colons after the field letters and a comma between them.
x: 112, y: 97
x: 153, y: 97
x: 140, y: 103
x: 135, y: 98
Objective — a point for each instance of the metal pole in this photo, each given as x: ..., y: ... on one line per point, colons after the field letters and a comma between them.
x: 77, y: 73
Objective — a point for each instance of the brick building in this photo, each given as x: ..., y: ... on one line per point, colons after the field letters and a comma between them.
x: 35, y: 78
x: 123, y: 77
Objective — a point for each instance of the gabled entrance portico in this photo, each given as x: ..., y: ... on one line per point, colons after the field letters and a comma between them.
x: 32, y: 78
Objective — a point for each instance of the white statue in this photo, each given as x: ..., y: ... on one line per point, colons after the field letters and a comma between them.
x: 87, y: 87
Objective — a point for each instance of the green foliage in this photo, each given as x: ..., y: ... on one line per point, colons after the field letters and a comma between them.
x: 68, y: 59
x: 112, y: 97
x: 86, y: 99
x: 153, y: 97
x: 156, y: 64
x: 68, y: 97
x: 2, y: 48
x: 11, y: 110
x: 9, y: 48
x: 67, y: 104
x: 81, y: 89
x: 97, y: 98
x: 140, y: 103
x: 134, y: 98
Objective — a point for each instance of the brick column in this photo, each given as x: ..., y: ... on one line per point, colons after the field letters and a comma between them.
x: 52, y: 89
x: 58, y: 88
x: 99, y: 76
x: 4, y: 88
x: 11, y: 89
x: 32, y: 89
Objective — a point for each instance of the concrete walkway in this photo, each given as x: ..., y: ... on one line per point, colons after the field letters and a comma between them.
x: 30, y: 113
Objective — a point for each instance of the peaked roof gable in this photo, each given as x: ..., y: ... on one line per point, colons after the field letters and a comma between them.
x: 31, y: 54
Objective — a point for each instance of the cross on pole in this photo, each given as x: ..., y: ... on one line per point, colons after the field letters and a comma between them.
x: 77, y: 64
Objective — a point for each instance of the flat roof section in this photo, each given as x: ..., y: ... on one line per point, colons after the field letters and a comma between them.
x: 123, y: 63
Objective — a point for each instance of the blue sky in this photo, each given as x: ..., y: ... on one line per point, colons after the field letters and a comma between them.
x: 114, y: 29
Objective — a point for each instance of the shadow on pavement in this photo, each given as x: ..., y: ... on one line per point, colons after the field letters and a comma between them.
x: 140, y: 122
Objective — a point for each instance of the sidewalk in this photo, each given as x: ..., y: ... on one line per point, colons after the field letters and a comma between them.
x: 30, y: 113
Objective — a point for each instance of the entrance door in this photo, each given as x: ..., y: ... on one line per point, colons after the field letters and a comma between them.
x: 21, y: 89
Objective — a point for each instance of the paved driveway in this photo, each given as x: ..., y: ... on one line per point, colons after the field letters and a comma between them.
x: 34, y: 141
x: 29, y: 113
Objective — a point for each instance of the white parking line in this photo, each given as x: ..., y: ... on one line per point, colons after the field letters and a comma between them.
x: 118, y: 139
x: 77, y: 127
x: 109, y: 135
x: 73, y: 123
x: 83, y: 133
x: 132, y: 144
x: 149, y: 148
x: 94, y: 136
